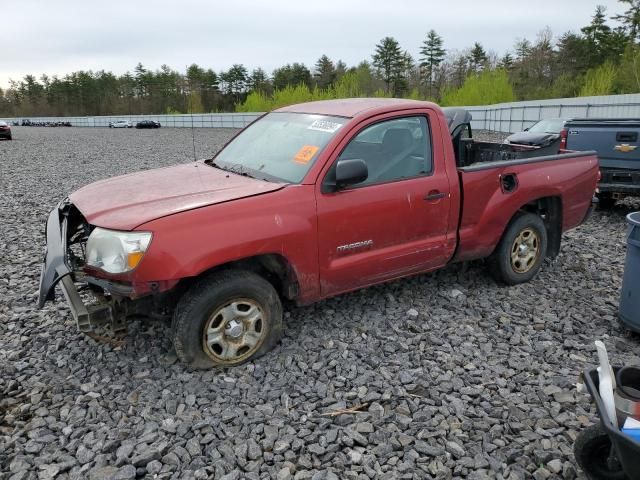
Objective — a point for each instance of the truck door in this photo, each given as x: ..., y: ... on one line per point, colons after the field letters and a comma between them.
x: 394, y: 223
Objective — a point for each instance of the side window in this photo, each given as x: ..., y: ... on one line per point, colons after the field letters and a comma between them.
x: 393, y: 149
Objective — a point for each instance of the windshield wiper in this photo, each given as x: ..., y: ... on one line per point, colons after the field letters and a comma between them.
x: 237, y: 171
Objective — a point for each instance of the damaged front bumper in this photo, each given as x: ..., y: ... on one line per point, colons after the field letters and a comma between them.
x: 56, y: 270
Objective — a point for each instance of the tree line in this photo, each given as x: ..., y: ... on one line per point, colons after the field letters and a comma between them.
x: 598, y: 59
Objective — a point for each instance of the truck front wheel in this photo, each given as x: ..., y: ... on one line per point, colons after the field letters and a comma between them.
x: 521, y: 250
x: 226, y: 319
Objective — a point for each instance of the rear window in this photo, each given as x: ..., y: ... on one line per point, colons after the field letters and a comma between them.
x: 548, y: 126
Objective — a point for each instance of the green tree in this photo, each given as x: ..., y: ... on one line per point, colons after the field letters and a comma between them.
x: 293, y: 75
x: 599, y: 81
x: 522, y: 49
x: 341, y: 69
x: 478, y: 58
x: 598, y: 37
x: 630, y: 19
x: 628, y: 72
x: 485, y: 88
x: 259, y: 81
x: 506, y: 62
x: 572, y: 54
x: 460, y: 67
x: 433, y: 54
x: 390, y: 62
x: 325, y: 72
x: 236, y: 80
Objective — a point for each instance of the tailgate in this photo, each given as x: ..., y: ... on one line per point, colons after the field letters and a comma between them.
x: 617, y: 144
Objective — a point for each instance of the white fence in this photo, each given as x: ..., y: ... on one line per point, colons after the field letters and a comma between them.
x: 516, y: 116
x: 197, y: 120
x: 503, y: 117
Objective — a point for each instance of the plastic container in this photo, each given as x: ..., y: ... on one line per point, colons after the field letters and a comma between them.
x: 629, y: 313
x: 626, y: 449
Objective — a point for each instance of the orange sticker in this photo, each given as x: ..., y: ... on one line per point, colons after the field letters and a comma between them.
x: 305, y: 154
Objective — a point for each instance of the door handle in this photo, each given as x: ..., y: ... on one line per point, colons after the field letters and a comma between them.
x: 435, y: 195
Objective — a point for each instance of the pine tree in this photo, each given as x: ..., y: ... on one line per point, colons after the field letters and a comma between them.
x: 460, y: 70
x: 258, y: 81
x: 341, y: 69
x: 433, y: 53
x: 597, y: 34
x: 478, y: 57
x: 389, y: 60
x: 522, y: 49
x: 325, y: 72
x: 506, y: 62
x: 293, y: 75
x: 630, y: 19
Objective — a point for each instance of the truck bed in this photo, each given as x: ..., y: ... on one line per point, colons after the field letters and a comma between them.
x: 471, y: 152
x: 494, y: 191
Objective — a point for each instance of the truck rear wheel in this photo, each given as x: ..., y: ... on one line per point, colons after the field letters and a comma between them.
x: 521, y: 250
x: 226, y: 319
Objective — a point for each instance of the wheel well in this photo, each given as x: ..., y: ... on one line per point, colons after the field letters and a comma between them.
x: 550, y: 210
x: 275, y: 268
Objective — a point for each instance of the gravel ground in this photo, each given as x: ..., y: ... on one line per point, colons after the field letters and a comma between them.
x: 448, y: 375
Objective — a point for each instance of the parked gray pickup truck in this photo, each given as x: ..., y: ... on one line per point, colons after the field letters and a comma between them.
x: 617, y: 143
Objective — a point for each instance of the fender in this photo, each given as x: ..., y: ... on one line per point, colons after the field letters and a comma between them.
x: 282, y: 222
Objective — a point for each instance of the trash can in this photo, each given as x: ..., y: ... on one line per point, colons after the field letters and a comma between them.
x: 629, y: 312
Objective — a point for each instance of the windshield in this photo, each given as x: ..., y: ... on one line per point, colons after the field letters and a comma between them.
x: 548, y: 126
x: 279, y: 146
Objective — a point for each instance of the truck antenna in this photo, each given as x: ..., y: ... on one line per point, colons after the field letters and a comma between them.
x: 190, y: 112
x: 193, y: 139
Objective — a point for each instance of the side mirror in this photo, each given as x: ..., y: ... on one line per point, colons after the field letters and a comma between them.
x: 350, y: 172
x: 526, y: 129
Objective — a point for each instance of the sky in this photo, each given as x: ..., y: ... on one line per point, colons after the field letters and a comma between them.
x: 61, y: 36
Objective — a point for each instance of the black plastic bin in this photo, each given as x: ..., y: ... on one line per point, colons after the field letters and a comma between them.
x: 629, y: 313
x: 626, y: 449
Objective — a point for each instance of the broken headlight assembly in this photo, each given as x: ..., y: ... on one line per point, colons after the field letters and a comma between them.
x: 116, y: 252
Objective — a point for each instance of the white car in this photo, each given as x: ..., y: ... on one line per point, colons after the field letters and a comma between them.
x: 120, y: 124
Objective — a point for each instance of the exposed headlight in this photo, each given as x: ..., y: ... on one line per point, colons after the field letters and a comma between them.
x: 116, y: 252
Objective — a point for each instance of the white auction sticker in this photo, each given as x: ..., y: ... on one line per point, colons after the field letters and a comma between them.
x: 324, y: 126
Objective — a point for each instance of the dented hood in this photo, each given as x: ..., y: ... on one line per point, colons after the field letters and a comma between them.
x: 123, y: 203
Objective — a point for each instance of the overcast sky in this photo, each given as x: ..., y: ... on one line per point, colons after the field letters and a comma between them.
x: 57, y: 37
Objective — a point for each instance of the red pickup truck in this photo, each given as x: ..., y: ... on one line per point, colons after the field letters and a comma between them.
x: 307, y: 202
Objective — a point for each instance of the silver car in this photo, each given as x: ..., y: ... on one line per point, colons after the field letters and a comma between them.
x: 120, y: 124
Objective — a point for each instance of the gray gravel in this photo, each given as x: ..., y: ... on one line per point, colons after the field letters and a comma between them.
x: 447, y: 375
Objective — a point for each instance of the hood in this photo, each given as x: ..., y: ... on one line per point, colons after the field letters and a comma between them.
x: 123, y: 203
x: 533, y: 138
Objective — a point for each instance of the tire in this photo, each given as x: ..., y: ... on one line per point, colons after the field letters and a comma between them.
x: 521, y: 251
x: 212, y: 323
x: 606, y: 201
x: 592, y: 450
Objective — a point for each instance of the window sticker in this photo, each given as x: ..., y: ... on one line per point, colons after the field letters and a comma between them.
x: 305, y: 154
x: 324, y: 126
